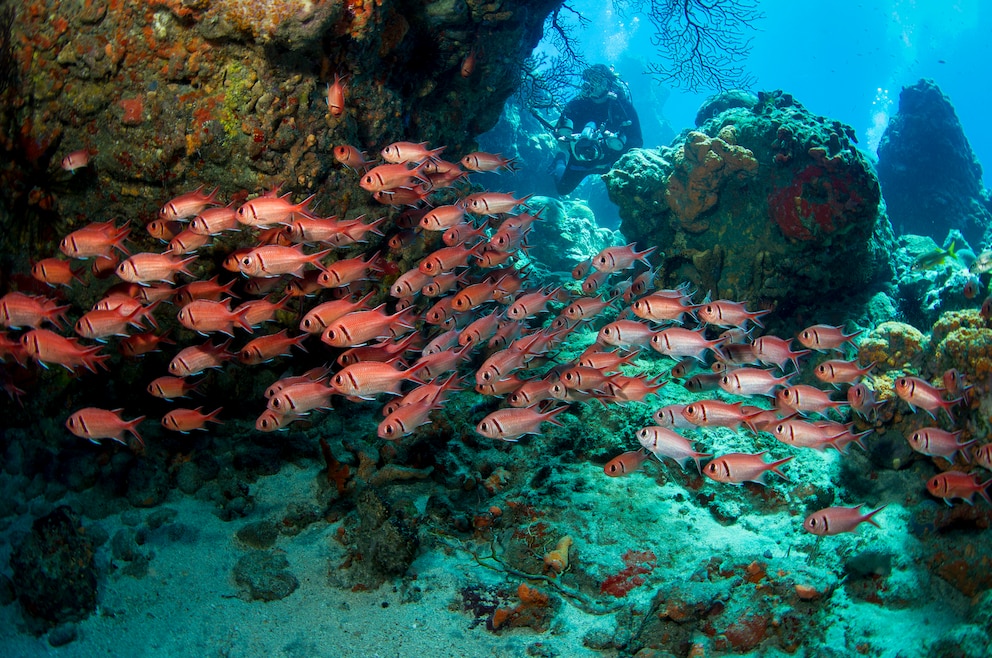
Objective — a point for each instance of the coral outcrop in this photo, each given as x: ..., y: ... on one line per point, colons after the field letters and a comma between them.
x: 764, y: 202
x: 930, y: 177
x: 54, y: 572
x: 170, y: 94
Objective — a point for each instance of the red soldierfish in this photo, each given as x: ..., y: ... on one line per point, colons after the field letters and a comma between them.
x: 207, y: 316
x: 97, y: 239
x: 835, y: 520
x: 101, y: 323
x: 188, y: 205
x: 351, y: 157
x: 301, y: 397
x: 143, y: 343
x: 55, y: 272
x: 266, y: 348
x: 955, y: 484
x: 661, y: 308
x: 321, y: 316
x: 983, y: 456
x: 390, y: 176
x: 775, y: 351
x: 805, y: 398
x: 725, y: 313
x: 409, y: 152
x: 168, y: 388
x: 270, y: 421
x: 482, y: 161
x: 48, y: 347
x: 513, y: 423
x: 212, y: 221
x: 335, y: 96
x: 18, y: 310
x: 626, y: 333
x: 407, y: 418
x: 836, y: 371
x: 492, y: 203
x: 360, y: 327
x: 267, y: 210
x: 187, y: 420
x: 259, y: 311
x: 93, y: 424
x: 738, y: 467
x: 348, y: 270
x: 615, y: 259
x: 148, y: 267
x: 468, y: 64
x: 935, y: 442
x: 919, y: 393
x: 442, y: 218
x: 195, y: 359
x: 752, y: 381
x: 803, y: 434
x: 823, y: 337
x: 715, y: 413
x: 663, y: 442
x: 677, y: 342
x: 625, y: 463
x: 862, y: 399
x: 447, y: 258
x: 275, y: 260
x: 76, y: 160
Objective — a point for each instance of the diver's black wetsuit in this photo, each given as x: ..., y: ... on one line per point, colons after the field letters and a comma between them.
x: 610, y: 116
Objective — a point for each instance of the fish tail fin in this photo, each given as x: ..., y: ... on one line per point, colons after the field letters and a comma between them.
x: 869, y: 515
x: 132, y: 427
x: 774, y: 467
x: 241, y: 319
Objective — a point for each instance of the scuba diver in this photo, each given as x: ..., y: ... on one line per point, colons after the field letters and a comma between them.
x: 596, y: 128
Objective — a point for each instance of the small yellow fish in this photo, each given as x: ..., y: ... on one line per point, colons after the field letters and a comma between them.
x: 934, y: 258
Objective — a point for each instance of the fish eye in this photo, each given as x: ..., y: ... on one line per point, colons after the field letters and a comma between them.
x: 276, y: 403
x: 484, y: 426
x: 812, y: 522
x: 725, y: 379
x: 246, y: 261
x: 691, y: 409
x: 72, y: 422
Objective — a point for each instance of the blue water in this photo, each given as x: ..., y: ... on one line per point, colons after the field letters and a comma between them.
x: 843, y: 59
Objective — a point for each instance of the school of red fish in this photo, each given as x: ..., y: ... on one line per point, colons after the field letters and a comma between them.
x: 462, y: 302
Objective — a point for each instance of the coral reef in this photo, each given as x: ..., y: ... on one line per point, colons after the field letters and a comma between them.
x: 54, y: 572
x: 929, y: 175
x: 763, y: 203
x: 172, y: 93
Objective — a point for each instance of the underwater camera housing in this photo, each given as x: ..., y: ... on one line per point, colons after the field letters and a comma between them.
x: 589, y: 145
